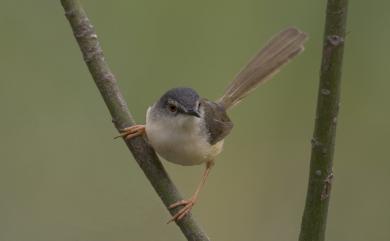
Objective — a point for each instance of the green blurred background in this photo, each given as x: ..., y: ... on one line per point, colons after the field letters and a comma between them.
x: 62, y: 177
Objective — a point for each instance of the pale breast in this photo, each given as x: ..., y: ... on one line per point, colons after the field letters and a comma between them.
x: 181, y: 140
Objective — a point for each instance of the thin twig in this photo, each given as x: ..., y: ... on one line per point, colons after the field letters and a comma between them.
x: 320, y: 178
x: 107, y: 85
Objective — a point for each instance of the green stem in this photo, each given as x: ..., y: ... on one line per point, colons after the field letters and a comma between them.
x: 320, y: 178
x: 144, y: 155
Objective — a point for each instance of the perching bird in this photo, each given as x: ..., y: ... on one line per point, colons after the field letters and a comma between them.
x: 188, y: 130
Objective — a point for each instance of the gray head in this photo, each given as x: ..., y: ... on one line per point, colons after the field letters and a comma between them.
x: 180, y: 101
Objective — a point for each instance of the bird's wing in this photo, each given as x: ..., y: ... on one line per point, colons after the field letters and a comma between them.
x: 218, y: 123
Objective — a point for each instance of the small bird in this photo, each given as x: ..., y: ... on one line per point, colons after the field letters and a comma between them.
x: 189, y: 130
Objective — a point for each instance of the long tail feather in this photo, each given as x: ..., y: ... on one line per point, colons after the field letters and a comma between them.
x: 279, y: 50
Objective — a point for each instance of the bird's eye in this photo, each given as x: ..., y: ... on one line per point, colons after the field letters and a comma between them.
x: 172, y: 108
x: 198, y: 105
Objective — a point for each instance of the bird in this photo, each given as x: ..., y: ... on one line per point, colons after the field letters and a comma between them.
x: 188, y: 130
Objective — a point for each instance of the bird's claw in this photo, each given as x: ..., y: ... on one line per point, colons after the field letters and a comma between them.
x: 131, y: 132
x: 188, y: 204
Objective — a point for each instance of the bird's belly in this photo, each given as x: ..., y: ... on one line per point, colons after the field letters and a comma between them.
x: 184, y: 148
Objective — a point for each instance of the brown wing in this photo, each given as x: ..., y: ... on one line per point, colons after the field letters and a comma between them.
x: 218, y: 123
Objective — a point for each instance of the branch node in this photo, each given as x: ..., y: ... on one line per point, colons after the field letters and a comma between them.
x: 318, y: 173
x: 70, y: 13
x: 315, y: 142
x: 92, y: 53
x: 109, y: 77
x: 327, y: 186
x: 335, y: 40
x: 325, y: 91
x: 334, y: 120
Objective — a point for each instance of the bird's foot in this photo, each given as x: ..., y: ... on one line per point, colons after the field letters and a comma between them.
x: 132, y: 131
x: 188, y: 204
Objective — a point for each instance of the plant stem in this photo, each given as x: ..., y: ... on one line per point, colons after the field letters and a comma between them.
x: 143, y: 153
x: 323, y: 142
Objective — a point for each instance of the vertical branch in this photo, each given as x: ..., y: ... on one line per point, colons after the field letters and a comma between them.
x: 144, y: 155
x: 323, y: 142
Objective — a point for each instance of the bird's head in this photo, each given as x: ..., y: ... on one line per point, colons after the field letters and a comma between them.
x: 180, y: 102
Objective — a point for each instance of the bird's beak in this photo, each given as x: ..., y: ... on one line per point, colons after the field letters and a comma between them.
x: 193, y: 113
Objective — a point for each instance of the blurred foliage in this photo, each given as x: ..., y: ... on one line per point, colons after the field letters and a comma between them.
x: 62, y: 177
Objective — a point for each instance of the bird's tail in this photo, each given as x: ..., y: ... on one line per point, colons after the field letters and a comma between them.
x: 279, y: 50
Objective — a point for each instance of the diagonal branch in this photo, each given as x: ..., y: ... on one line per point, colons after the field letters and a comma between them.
x: 144, y: 155
x: 320, y: 178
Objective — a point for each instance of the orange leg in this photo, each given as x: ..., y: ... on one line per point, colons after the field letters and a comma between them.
x: 132, y: 131
x: 189, y: 203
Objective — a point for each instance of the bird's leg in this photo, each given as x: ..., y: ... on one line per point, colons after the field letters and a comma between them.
x: 132, y: 131
x: 189, y: 203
